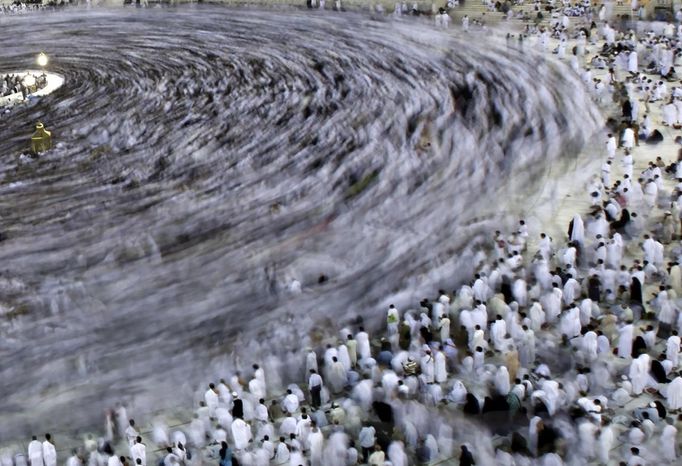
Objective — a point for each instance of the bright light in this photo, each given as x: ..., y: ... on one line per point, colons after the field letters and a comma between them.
x: 42, y: 60
x: 29, y: 80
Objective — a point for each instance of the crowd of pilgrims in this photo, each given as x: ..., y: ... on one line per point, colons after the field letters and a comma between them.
x: 557, y: 352
x: 28, y: 7
x: 15, y: 83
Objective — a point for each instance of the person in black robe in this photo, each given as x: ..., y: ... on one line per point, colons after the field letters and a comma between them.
x: 405, y: 336
x: 540, y: 408
x: 425, y: 303
x: 627, y: 110
x: 661, y: 409
x: 620, y: 224
x: 657, y: 370
x: 495, y: 403
x: 636, y: 292
x: 471, y: 405
x: 237, y: 407
x: 638, y: 347
x: 655, y: 137
x: 570, y: 228
x: 426, y: 334
x: 465, y: 457
x: 506, y: 290
x: 594, y: 288
x: 547, y: 439
x: 519, y: 445
x: 384, y: 411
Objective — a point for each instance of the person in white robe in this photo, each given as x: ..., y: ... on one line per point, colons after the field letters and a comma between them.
x: 440, y: 367
x: 310, y: 361
x: 160, y: 432
x: 527, y: 348
x: 611, y: 145
x: 428, y: 367
x: 603, y: 344
x: 396, y: 454
x: 606, y: 441
x: 477, y: 339
x: 211, y: 399
x: 329, y: 353
x: 224, y: 392
x: 282, y: 453
x: 458, y: 392
x: 303, y: 429
x: 392, y: 320
x: 316, y: 442
x: 177, y: 438
x: 586, y: 435
x: 650, y: 194
x: 481, y: 290
x: 35, y: 452
x: 673, y: 394
x: 502, y: 383
x: 537, y: 316
x: 498, y: 333
x: 241, y: 433
x: 197, y: 431
x: 139, y: 451
x: 672, y: 348
x: 49, y: 452
x: 605, y: 179
x: 571, y: 290
x: 632, y: 62
x: 639, y: 373
x: 589, y: 346
x: 362, y: 393
x: 534, y: 426
x: 338, y: 376
x: 570, y: 323
x: 290, y: 403
x: 121, y: 419
x: 551, y: 303
x: 364, y: 350
x: 444, y: 328
x: 74, y: 460
x: 520, y: 292
x: 668, y: 442
x: 625, y: 336
x: 675, y: 278
x: 628, y: 139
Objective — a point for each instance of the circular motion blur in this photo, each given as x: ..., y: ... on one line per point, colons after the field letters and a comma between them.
x: 205, y: 159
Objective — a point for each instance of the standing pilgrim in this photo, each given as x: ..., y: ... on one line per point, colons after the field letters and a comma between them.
x: 211, y: 399
x: 49, y: 452
x: 130, y: 433
x: 628, y: 139
x: 625, y: 335
x: 35, y: 452
x: 241, y: 432
x: 139, y: 451
x: 315, y: 387
x: 337, y: 376
x: 674, y: 394
x: 611, y: 146
x: 364, y: 351
x: 672, y: 348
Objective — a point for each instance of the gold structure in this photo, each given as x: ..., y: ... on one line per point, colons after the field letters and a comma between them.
x: 41, y: 140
